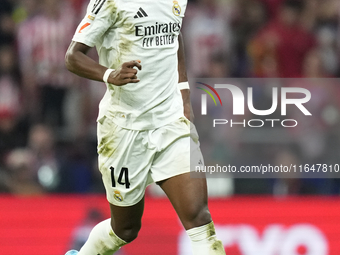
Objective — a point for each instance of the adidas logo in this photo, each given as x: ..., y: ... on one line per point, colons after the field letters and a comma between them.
x: 140, y: 14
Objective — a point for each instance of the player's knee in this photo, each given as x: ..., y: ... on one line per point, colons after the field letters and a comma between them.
x: 128, y: 234
x: 197, y: 216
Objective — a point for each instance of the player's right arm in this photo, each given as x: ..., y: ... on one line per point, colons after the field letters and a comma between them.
x: 98, y: 19
x: 78, y: 62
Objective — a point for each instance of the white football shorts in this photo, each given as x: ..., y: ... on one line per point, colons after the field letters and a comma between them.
x: 130, y: 160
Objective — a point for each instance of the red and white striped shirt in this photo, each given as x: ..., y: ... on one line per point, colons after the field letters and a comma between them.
x: 42, y: 43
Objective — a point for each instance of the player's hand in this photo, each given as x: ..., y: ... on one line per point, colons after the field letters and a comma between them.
x: 188, y: 112
x: 126, y: 73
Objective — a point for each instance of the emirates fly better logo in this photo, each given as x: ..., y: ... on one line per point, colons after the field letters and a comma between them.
x: 239, y: 103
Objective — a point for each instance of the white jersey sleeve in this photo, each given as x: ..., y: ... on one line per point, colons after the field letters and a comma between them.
x: 98, y: 19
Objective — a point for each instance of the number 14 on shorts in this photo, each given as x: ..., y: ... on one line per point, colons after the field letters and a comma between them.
x: 124, y: 174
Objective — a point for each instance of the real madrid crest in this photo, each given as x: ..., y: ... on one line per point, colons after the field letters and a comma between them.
x: 118, y: 196
x: 176, y: 9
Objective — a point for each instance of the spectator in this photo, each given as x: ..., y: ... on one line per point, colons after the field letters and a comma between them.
x: 48, y: 164
x: 272, y: 7
x: 43, y: 41
x: 218, y: 67
x: 326, y: 39
x: 281, y: 47
x: 7, y: 25
x: 22, y: 178
x: 313, y: 66
x: 250, y: 18
x: 12, y: 128
x: 207, y: 33
x: 25, y: 10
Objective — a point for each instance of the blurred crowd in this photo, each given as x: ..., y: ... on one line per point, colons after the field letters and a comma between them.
x: 47, y: 115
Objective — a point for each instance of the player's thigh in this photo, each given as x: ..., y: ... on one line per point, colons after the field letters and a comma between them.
x: 124, y: 163
x: 186, y: 191
x: 189, y: 198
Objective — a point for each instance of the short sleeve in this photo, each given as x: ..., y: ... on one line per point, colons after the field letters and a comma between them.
x: 100, y: 16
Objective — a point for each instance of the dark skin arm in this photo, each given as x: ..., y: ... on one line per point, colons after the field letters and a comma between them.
x: 79, y: 63
x: 182, y: 72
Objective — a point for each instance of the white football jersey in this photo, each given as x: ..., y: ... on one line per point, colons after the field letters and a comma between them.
x: 125, y: 30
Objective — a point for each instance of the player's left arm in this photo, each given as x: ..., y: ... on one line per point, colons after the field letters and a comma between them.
x: 182, y: 73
